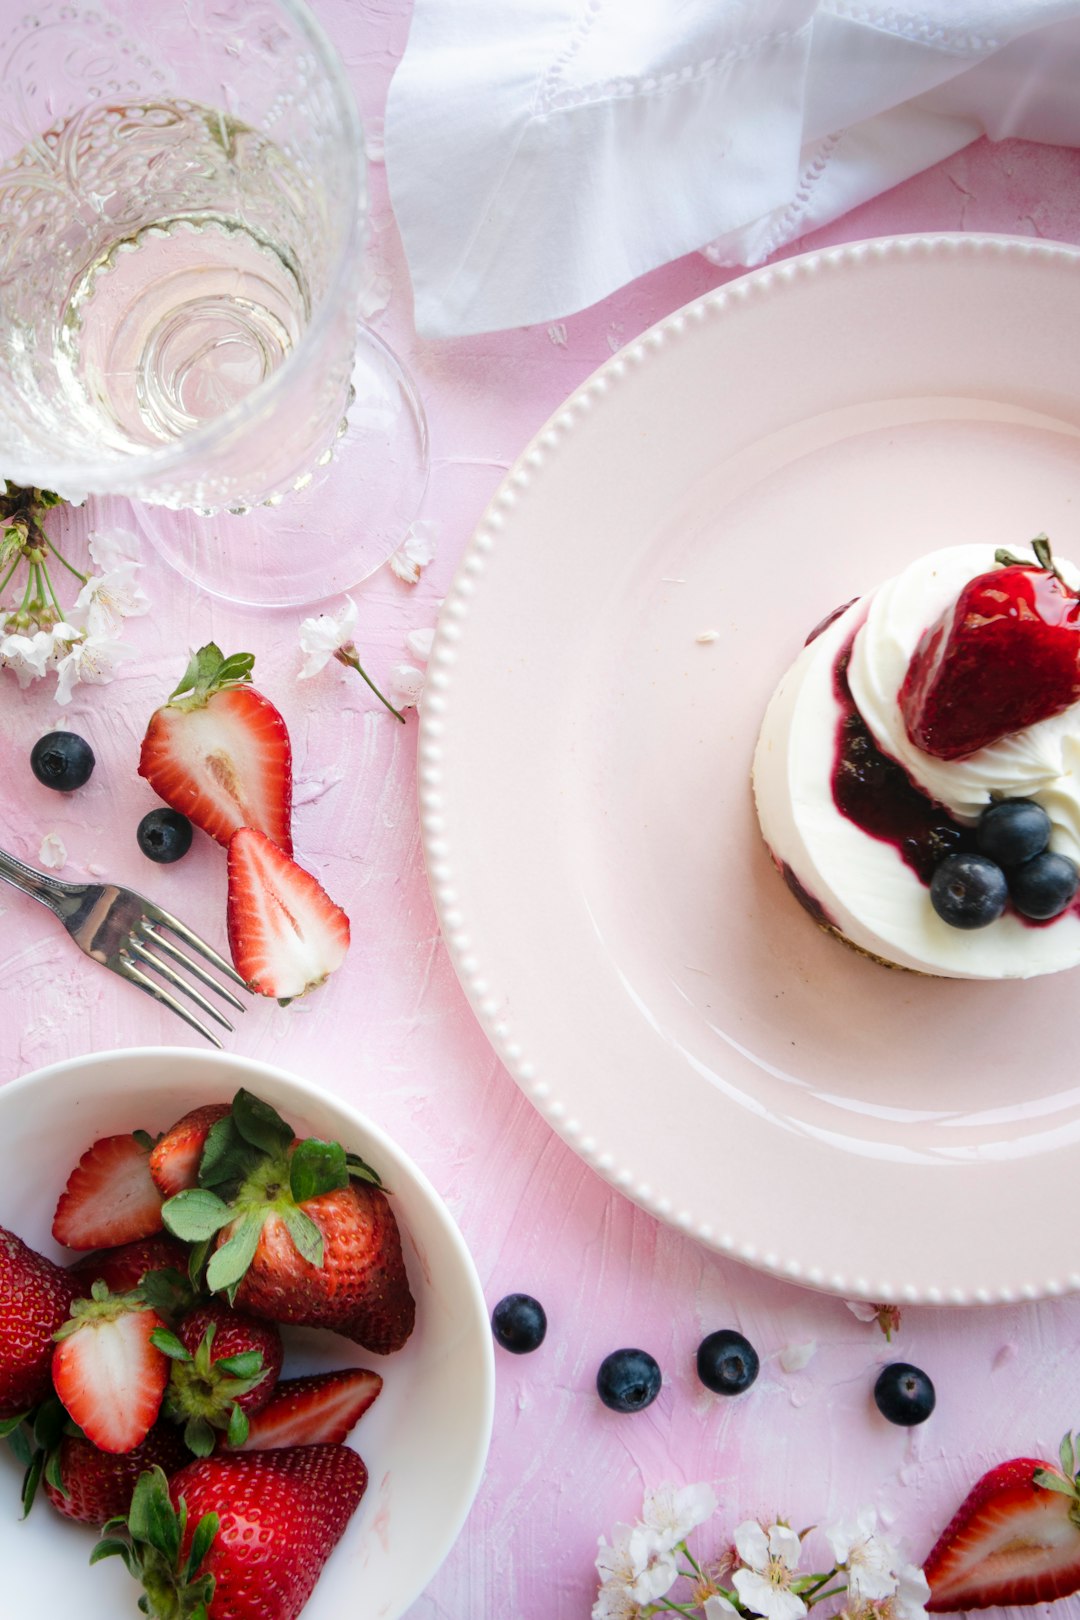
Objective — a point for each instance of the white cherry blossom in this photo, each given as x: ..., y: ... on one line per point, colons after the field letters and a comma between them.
x: 672, y: 1511
x: 321, y: 638
x: 92, y: 660
x: 716, y: 1606
x: 614, y: 1559
x: 911, y: 1595
x: 870, y: 1560
x: 30, y: 656
x: 771, y: 1559
x: 415, y: 552
x: 657, y: 1570
x: 107, y: 599
x: 615, y: 1602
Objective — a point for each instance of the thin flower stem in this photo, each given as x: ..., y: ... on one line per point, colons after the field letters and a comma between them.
x: 29, y: 588
x: 49, y: 585
x: 11, y: 570
x: 820, y: 1597
x: 59, y: 555
x: 818, y: 1582
x: 675, y: 1608
x: 693, y: 1560
x: 354, y: 663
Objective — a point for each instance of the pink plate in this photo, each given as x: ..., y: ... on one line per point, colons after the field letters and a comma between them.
x: 641, y: 580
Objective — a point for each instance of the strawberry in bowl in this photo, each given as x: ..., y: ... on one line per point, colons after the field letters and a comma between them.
x: 413, y: 1422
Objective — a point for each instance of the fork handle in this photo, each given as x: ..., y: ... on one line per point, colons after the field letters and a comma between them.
x: 50, y: 891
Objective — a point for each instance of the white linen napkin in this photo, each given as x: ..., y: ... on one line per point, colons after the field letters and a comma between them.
x: 542, y: 153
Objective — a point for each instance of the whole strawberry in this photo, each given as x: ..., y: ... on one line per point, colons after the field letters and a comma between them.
x: 124, y: 1268
x: 219, y: 751
x: 92, y: 1485
x: 1004, y: 656
x: 224, y: 1368
x: 35, y: 1298
x: 301, y: 1231
x: 246, y: 1535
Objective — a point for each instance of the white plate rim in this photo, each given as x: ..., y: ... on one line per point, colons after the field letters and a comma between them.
x: 480, y: 978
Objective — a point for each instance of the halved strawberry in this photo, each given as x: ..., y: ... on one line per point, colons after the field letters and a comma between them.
x: 174, y: 1162
x: 1014, y: 1540
x: 314, y: 1410
x: 108, y: 1374
x: 286, y: 935
x: 219, y: 751
x: 109, y: 1198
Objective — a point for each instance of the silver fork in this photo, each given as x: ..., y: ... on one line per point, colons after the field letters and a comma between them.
x: 117, y: 928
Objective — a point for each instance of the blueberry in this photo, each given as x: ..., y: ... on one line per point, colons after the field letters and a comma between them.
x: 164, y: 835
x: 968, y: 891
x: 628, y: 1380
x: 1013, y: 831
x: 519, y: 1323
x: 1043, y: 887
x: 726, y: 1362
x: 62, y: 761
x: 904, y: 1394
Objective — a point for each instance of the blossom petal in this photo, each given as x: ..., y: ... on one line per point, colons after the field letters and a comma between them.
x: 716, y: 1605
x: 912, y: 1592
x: 752, y: 1545
x: 760, y: 1596
x: 785, y: 1544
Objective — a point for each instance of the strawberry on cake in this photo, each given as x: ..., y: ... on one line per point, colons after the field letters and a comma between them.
x: 917, y: 774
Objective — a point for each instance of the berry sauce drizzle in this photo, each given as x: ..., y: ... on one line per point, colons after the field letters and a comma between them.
x: 875, y: 793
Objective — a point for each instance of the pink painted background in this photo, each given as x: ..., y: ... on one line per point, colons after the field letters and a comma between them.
x: 392, y: 1031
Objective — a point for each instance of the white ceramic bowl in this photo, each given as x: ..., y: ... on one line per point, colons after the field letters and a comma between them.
x: 424, y: 1441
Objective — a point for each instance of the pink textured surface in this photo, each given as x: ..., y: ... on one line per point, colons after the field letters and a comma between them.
x: 393, y: 1033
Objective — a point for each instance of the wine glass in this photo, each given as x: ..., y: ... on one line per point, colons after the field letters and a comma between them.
x: 182, y: 220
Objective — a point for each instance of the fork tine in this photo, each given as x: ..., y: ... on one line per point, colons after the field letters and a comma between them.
x: 128, y: 970
x: 148, y: 931
x: 206, y: 951
x: 172, y: 977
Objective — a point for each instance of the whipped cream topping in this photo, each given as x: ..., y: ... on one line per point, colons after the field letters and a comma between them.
x: 1042, y: 762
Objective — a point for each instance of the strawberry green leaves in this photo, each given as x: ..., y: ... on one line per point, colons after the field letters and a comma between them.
x: 149, y: 1542
x: 252, y: 1167
x: 209, y: 671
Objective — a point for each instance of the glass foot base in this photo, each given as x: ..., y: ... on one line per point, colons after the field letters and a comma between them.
x: 328, y: 536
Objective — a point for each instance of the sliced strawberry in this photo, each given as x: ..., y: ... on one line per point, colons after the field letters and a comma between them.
x: 174, y: 1162
x: 219, y: 751
x: 124, y: 1269
x: 310, y: 1411
x: 285, y: 933
x: 109, y: 1198
x: 109, y: 1376
x: 1012, y: 1541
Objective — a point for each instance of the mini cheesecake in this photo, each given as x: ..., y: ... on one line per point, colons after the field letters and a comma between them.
x: 858, y: 816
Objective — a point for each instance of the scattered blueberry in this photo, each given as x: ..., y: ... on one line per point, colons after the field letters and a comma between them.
x: 1043, y: 887
x: 519, y: 1323
x: 628, y: 1380
x: 727, y: 1362
x: 164, y: 835
x: 968, y: 891
x: 904, y: 1394
x: 61, y: 760
x: 1013, y: 831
